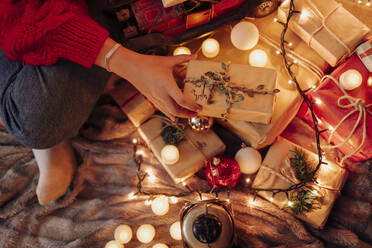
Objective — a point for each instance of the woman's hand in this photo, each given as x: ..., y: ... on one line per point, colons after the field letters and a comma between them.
x: 153, y: 77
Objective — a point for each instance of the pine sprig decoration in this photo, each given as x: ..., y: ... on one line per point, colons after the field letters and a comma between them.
x: 304, y: 169
x: 304, y: 201
x: 172, y: 135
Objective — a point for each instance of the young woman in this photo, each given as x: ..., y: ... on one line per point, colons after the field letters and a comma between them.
x: 54, y: 64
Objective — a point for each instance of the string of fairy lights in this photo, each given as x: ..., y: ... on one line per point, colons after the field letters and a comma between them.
x: 159, y: 200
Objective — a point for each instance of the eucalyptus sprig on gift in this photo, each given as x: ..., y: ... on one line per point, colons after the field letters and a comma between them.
x: 221, y: 82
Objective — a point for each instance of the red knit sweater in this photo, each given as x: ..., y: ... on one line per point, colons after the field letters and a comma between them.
x: 38, y: 32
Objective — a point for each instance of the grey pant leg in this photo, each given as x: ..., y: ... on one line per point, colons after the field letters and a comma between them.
x: 43, y: 105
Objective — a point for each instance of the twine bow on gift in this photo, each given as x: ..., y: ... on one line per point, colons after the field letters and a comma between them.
x: 359, y: 106
x: 324, y: 18
x: 181, y: 128
x: 221, y: 81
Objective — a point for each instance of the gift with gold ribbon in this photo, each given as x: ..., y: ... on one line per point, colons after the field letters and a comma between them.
x: 345, y: 115
x: 195, y: 148
x: 234, y: 92
x: 312, y: 203
x: 326, y: 26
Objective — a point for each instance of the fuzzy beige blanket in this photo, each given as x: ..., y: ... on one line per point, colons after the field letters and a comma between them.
x: 98, y: 201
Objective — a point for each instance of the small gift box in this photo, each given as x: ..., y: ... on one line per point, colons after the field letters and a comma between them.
x: 284, y: 163
x: 194, y: 147
x: 135, y: 106
x: 326, y: 26
x: 235, y: 92
x: 346, y: 114
x: 364, y: 52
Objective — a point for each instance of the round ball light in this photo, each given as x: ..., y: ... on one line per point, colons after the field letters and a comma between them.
x: 123, y: 234
x: 160, y: 205
x: 113, y: 244
x: 244, y: 35
x: 258, y: 58
x: 160, y: 245
x: 210, y: 48
x: 145, y: 233
x: 181, y: 51
x: 175, y: 231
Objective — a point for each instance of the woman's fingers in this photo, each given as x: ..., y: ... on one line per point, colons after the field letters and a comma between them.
x: 177, y: 110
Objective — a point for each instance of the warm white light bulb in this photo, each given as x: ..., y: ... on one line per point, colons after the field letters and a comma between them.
x: 170, y: 154
x: 210, y: 48
x: 160, y: 205
x: 290, y: 82
x: 131, y: 196
x: 181, y: 51
x: 248, y: 180
x: 278, y: 52
x: 369, y: 82
x: 304, y: 14
x: 290, y: 204
x: 368, y: 3
x: 258, y: 58
x: 145, y: 233
x: 113, y: 244
x: 244, y: 35
x: 134, y: 141
x: 351, y: 79
x: 123, y: 234
x: 173, y: 200
x: 175, y: 231
x: 318, y: 101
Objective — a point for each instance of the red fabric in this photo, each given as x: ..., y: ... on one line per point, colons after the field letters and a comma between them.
x: 330, y: 114
x: 38, y: 32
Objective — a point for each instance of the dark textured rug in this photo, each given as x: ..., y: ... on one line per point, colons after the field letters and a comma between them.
x: 98, y: 201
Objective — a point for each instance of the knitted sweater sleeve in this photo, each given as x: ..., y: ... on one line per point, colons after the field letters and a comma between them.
x: 39, y: 32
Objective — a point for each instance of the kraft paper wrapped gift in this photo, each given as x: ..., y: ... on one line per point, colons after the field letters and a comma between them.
x: 326, y: 26
x: 255, y: 107
x: 194, y: 150
x: 135, y: 106
x: 364, y: 52
x: 276, y: 172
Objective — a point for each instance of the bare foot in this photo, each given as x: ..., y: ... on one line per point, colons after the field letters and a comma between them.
x: 57, y: 167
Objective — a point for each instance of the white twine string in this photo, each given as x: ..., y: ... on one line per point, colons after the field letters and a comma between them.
x: 324, y: 25
x: 359, y: 106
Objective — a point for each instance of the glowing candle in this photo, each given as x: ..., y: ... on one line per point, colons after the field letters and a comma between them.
x: 369, y: 82
x: 113, y: 244
x: 210, y: 48
x: 146, y: 233
x: 160, y: 245
x: 181, y: 51
x: 160, y: 205
x: 175, y: 230
x: 244, y: 35
x: 351, y: 79
x: 123, y: 234
x: 170, y: 154
x: 258, y: 58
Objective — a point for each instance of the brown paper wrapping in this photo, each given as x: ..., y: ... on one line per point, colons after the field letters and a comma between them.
x: 194, y: 150
x: 328, y: 28
x: 331, y: 178
x: 256, y: 109
x: 135, y: 106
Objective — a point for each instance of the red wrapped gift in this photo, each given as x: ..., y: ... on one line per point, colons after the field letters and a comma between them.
x: 347, y: 114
